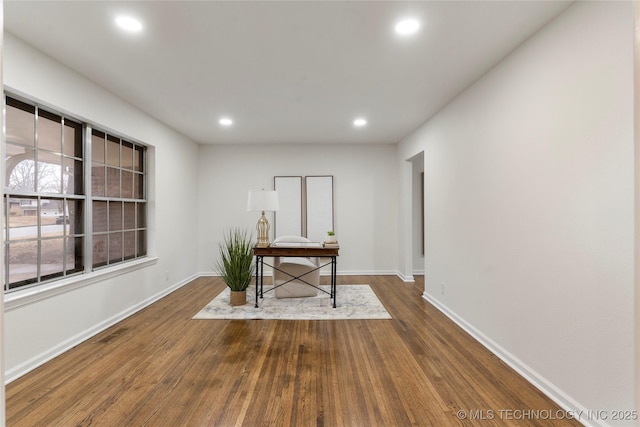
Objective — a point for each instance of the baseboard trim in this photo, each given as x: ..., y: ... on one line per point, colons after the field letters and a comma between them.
x: 549, y: 389
x: 31, y: 364
x: 406, y: 278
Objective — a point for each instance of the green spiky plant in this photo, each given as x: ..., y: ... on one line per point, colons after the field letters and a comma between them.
x: 236, y: 259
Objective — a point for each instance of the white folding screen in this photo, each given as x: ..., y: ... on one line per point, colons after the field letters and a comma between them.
x: 306, y: 206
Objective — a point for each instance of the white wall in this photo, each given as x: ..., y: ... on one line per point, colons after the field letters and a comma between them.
x: 529, y: 207
x: 365, y: 202
x: 39, y: 330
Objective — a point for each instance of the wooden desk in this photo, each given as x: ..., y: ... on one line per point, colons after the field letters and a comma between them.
x: 295, y: 250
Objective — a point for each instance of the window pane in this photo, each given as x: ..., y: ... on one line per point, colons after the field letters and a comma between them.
x: 129, y: 216
x: 127, y: 184
x: 72, y: 139
x: 138, y: 186
x: 142, y: 215
x: 115, y: 247
x: 113, y: 182
x: 23, y: 218
x: 127, y: 155
x: 73, y: 217
x: 21, y: 168
x: 52, y: 253
x: 5, y: 223
x: 115, y: 216
x: 49, y: 132
x: 99, y: 216
x: 72, y: 176
x: 50, y: 210
x: 97, y: 147
x: 100, y: 250
x: 23, y: 261
x: 142, y: 243
x: 49, y: 172
x: 113, y: 151
x: 129, y: 244
x: 98, y: 187
x: 138, y: 158
x: 75, y: 258
x: 20, y: 124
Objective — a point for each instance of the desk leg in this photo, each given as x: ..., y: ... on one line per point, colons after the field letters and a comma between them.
x: 261, y: 276
x: 257, y: 279
x: 333, y: 280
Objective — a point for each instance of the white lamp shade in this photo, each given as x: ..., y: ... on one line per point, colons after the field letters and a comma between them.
x: 262, y: 200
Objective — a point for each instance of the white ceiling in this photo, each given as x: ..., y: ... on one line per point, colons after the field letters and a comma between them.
x: 286, y: 71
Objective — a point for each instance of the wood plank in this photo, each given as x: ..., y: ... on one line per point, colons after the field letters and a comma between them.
x: 161, y: 368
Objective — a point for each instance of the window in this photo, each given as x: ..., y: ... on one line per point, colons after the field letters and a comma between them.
x: 117, y: 187
x: 48, y: 197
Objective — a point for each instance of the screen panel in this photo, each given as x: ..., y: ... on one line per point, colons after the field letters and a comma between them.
x: 288, y: 219
x: 319, y: 207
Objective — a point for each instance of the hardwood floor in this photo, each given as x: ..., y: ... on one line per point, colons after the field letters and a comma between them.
x: 161, y: 368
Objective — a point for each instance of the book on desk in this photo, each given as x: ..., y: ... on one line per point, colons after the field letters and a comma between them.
x: 296, y: 245
x: 332, y: 245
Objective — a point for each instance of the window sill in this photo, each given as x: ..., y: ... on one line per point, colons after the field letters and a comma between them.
x: 21, y: 298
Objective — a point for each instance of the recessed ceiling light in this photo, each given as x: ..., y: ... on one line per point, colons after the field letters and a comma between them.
x: 359, y: 122
x: 129, y: 24
x: 407, y: 26
x: 225, y: 121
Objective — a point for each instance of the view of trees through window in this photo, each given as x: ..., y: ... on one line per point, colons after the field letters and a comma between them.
x: 46, y: 198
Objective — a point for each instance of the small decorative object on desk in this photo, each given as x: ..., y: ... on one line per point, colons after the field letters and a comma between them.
x: 330, y: 245
x: 331, y: 237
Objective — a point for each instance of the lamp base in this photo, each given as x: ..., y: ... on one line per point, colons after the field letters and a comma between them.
x: 263, y: 232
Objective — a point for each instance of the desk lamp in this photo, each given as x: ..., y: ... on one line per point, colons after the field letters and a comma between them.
x: 261, y: 201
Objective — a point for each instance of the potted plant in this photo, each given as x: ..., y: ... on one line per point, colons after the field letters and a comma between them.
x: 331, y: 237
x: 236, y: 263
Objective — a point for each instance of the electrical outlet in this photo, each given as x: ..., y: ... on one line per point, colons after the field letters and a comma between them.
x: 442, y: 288
x: 166, y: 276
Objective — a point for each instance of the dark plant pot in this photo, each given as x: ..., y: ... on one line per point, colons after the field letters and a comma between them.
x: 238, y: 297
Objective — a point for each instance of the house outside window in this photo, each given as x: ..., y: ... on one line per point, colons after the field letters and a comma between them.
x: 60, y: 220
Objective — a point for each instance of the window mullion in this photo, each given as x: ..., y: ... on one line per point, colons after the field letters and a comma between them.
x: 7, y: 205
x: 62, y: 163
x: 39, y: 238
x: 65, y: 211
x: 35, y: 151
x: 88, y: 205
x: 120, y: 172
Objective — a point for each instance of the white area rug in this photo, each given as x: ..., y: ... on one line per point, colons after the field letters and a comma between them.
x: 354, y: 302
